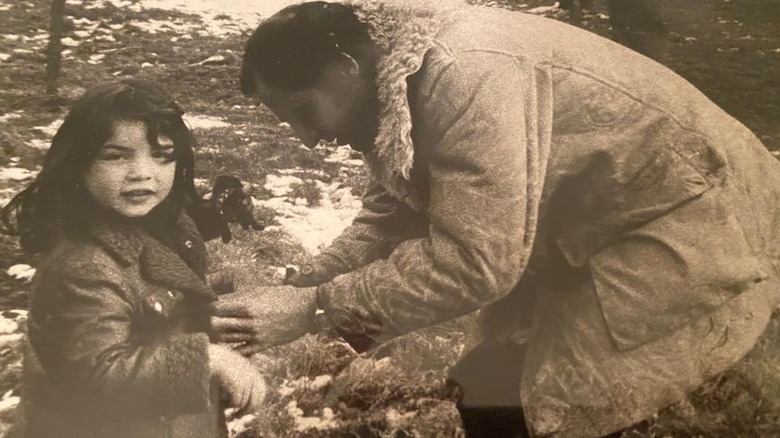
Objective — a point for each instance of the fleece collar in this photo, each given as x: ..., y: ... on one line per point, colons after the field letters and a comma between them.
x: 158, y: 264
x: 404, y: 31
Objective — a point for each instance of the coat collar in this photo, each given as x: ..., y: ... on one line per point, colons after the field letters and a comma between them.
x: 157, y: 263
x: 404, y: 31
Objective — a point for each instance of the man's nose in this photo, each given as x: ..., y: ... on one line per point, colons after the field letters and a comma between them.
x: 309, y: 137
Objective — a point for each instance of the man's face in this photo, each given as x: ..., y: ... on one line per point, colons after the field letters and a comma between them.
x: 335, y: 110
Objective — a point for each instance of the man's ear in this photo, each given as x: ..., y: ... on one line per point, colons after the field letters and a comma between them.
x: 341, y: 72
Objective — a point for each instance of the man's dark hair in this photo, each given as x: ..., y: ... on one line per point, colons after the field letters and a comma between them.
x: 291, y: 49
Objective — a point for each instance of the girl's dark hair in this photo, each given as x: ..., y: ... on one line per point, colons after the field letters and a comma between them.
x: 57, y: 202
x: 291, y: 49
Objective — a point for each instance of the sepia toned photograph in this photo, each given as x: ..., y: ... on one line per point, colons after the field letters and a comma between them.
x: 389, y: 218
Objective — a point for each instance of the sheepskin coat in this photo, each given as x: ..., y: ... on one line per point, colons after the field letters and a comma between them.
x: 118, y: 337
x: 588, y: 200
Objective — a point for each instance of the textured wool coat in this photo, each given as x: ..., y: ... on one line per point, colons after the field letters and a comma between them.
x: 118, y: 337
x: 583, y: 196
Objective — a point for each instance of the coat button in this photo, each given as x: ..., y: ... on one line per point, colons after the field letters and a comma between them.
x: 158, y: 306
x: 188, y: 243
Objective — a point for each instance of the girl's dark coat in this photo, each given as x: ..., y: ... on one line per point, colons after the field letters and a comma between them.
x: 118, y: 338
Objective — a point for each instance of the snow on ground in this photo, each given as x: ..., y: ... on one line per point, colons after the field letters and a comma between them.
x: 20, y: 272
x: 16, y: 174
x: 10, y: 116
x: 246, y: 13
x: 198, y: 121
x: 313, y: 227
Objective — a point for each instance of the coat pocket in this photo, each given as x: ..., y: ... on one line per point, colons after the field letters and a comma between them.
x: 657, y: 278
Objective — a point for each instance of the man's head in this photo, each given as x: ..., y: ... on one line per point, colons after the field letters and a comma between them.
x: 314, y: 66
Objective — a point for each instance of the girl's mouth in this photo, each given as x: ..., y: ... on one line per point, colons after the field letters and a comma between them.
x: 137, y: 195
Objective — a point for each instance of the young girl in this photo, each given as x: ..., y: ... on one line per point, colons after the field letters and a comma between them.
x: 118, y: 315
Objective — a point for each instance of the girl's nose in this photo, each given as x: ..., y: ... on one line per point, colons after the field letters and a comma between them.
x: 140, y: 169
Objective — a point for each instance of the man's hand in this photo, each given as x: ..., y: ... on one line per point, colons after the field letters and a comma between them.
x: 321, y: 269
x: 264, y: 317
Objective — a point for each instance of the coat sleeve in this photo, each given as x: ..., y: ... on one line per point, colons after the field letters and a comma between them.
x: 81, y: 329
x: 378, y: 228
x: 485, y: 121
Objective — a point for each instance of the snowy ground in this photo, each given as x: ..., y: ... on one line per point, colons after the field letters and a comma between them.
x: 246, y: 12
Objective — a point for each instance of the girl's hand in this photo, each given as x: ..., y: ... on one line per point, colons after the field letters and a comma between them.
x: 238, y: 377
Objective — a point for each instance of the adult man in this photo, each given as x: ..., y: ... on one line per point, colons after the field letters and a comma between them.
x: 582, y: 187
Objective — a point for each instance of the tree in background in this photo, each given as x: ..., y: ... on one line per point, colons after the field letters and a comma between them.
x: 54, y: 51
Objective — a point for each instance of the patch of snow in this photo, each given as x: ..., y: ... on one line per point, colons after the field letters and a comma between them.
x: 23, y: 51
x: 288, y: 387
x: 240, y: 424
x: 21, y: 272
x: 156, y: 26
x: 196, y: 121
x: 395, y: 419
x: 541, y: 10
x: 12, y: 37
x: 109, y: 38
x: 83, y: 21
x: 4, y: 57
x: 16, y: 174
x: 11, y: 116
x: 211, y: 60
x: 96, y: 58
x: 39, y: 144
x: 245, y: 13
x: 313, y: 227
x: 8, y: 326
x: 6, y: 404
x: 146, y: 64
x: 327, y: 421
x: 51, y: 128
x: 280, y: 185
x: 69, y: 42
x: 4, y: 8
x: 315, y: 172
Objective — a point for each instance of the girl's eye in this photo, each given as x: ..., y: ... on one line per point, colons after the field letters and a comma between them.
x: 164, y: 155
x: 110, y: 156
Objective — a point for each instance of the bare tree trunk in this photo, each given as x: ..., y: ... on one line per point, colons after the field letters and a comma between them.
x: 575, y: 8
x: 54, y: 51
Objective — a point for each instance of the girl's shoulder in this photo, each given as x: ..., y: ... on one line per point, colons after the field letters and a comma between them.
x: 76, y: 257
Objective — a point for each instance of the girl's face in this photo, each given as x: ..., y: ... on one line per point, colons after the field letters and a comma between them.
x: 130, y: 176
